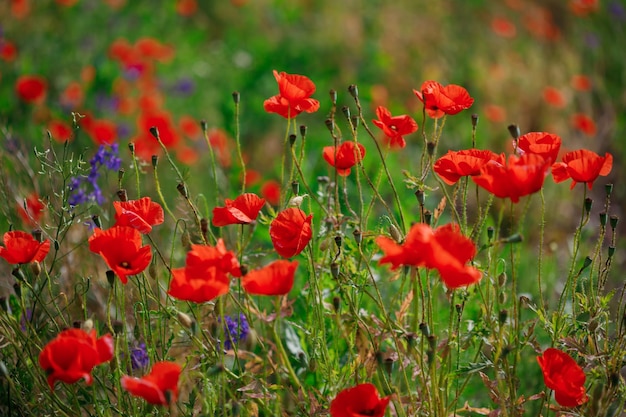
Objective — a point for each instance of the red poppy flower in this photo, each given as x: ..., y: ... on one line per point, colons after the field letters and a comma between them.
x: 291, y: 231
x: 159, y: 387
x: 31, y: 88
x: 8, y: 51
x: 540, y: 143
x: 60, y: 131
x: 554, y: 97
x: 581, y: 82
x: 221, y: 144
x: 33, y: 211
x: 120, y: 246
x: 205, y: 275
x: 344, y: 156
x: 582, y: 166
x: 139, y: 214
x: 503, y: 27
x: 270, y: 190
x: 394, y: 127
x: 242, y: 210
x: 73, y: 354
x: 186, y: 7
x: 273, y: 279
x: 444, y: 249
x: 294, y: 96
x: 103, y: 132
x: 513, y: 178
x: 22, y: 248
x: 495, y: 113
x: 584, y: 123
x: 563, y: 375
x: 145, y: 144
x: 456, y: 164
x: 583, y: 7
x: 361, y: 400
x: 440, y: 100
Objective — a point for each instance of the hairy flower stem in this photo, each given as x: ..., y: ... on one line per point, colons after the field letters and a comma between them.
x: 157, y: 184
x: 216, y: 188
x: 238, y: 142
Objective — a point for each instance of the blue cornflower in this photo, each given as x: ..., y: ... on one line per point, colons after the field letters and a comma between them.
x: 79, y: 187
x: 139, y: 356
x: 235, y: 330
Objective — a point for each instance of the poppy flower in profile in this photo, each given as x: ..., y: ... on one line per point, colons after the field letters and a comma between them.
x: 139, y: 214
x: 73, y: 354
x: 394, y: 127
x: 242, y: 210
x: 540, y: 143
x: 514, y: 177
x: 563, y: 375
x: 584, y: 123
x: 206, y: 273
x: 291, y: 231
x: 22, y: 248
x: 456, y: 164
x: 415, y: 243
x: 159, y: 387
x: 360, y: 400
x: 270, y: 190
x: 31, y: 88
x: 294, y: 96
x: 344, y: 156
x: 31, y: 214
x: 440, y: 100
x: 582, y: 166
x: 273, y: 279
x: 120, y: 247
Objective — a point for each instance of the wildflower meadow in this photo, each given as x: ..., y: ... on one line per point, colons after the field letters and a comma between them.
x: 269, y: 208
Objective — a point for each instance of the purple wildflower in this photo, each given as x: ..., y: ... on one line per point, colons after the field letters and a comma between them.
x: 106, y: 156
x: 139, y: 356
x: 235, y: 330
x: 617, y: 11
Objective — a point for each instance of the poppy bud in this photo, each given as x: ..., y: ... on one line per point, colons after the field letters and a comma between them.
x: 490, y: 233
x: 410, y: 339
x: 110, y: 277
x: 419, y: 194
x: 120, y: 174
x: 432, y: 341
x: 182, y: 189
x: 295, y: 187
x: 609, y: 189
x: 37, y: 234
x: 353, y: 90
x: 430, y: 148
x: 357, y: 236
x: 502, y: 279
x: 388, y: 365
x: 292, y: 139
x: 354, y: 121
x: 458, y: 308
x: 303, y: 130
x: 333, y: 96
x: 131, y: 148
x: 346, y: 112
x: 152, y: 270
x: 588, y: 204
x: 614, y: 219
x: 184, y: 319
x: 336, y: 303
x: 96, y: 220
x: 395, y: 233
x: 611, y: 251
x: 204, y: 126
x: 586, y: 264
x: 18, y: 274
x: 524, y: 301
x: 17, y: 287
x: 603, y: 219
x: 122, y: 195
x: 428, y: 216
x: 502, y: 316
x: 424, y: 329
x: 185, y: 240
x: 236, y: 97
x: 330, y: 124
x: 334, y: 270
x: 154, y: 131
x: 338, y: 241
x: 155, y: 161
x: 514, y: 131
x: 35, y: 267
x: 474, y: 119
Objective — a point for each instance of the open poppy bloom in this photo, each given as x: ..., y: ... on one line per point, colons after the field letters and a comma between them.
x: 394, y: 127
x: 139, y: 214
x: 456, y: 164
x: 540, y: 143
x: 291, y: 231
x: 444, y: 249
x: 31, y: 88
x: 515, y: 177
x: 440, y: 100
x: 120, y: 246
x: 22, y: 248
x: 73, y: 354
x: 563, y: 375
x: 582, y: 166
x: 205, y: 275
x: 33, y: 211
x: 294, y: 96
x: 361, y: 400
x: 159, y: 387
x: 242, y: 210
x: 273, y: 279
x: 344, y: 156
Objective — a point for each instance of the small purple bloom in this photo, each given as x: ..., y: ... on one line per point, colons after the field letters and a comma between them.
x: 235, y: 330
x: 617, y: 11
x: 184, y: 86
x: 139, y: 358
x: 106, y: 156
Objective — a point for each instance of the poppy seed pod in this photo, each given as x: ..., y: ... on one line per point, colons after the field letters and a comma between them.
x: 155, y: 161
x: 236, y: 97
x: 353, y: 90
x: 122, y: 195
x: 333, y: 96
x: 303, y: 131
x: 154, y: 131
x: 514, y: 131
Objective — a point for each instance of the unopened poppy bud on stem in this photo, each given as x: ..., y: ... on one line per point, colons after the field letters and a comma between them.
x: 35, y: 267
x: 182, y: 189
x: 131, y: 148
x: 154, y: 131
x: 333, y: 96
x: 428, y: 216
x: 38, y: 235
x: 96, y: 221
x: 334, y: 270
x: 204, y: 126
x: 295, y: 187
x: 588, y: 205
x: 357, y: 236
x: 355, y: 121
x: 514, y: 131
x: 110, y: 277
x: 346, y: 112
x: 330, y: 124
x: 474, y: 119
x: 490, y: 233
x: 430, y: 148
x: 603, y: 219
x: 395, y: 233
x: 122, y: 195
x: 419, y: 194
x: 609, y: 189
x: 303, y: 131
x: 292, y: 139
x: 18, y: 274
x: 184, y: 319
x: 236, y: 97
x: 613, y: 221
x: 353, y: 90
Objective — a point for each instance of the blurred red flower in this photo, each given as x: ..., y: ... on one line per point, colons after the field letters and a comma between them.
x: 273, y: 279
x: 186, y: 7
x: 20, y: 8
x: 584, y: 123
x: 554, y: 97
x: 540, y: 143
x: 31, y: 88
x: 22, y: 248
x: 583, y: 7
x: 456, y: 164
x: 190, y: 127
x: 159, y: 387
x: 8, y: 51
x: 73, y: 354
x: 440, y: 100
x: 394, y: 127
x: 581, y: 82
x: 205, y: 275
x: 563, y: 375
x: 242, y: 210
x: 270, y: 190
x: 291, y: 231
x: 139, y: 214
x: 360, y: 400
x: 73, y: 95
x: 294, y: 96
x: 344, y: 156
x: 103, y: 132
x: 221, y: 145
x: 33, y: 211
x: 444, y: 249
x: 582, y: 166
x: 514, y: 177
x: 145, y: 144
x: 503, y: 27
x: 494, y: 113
x: 120, y: 247
x: 60, y: 131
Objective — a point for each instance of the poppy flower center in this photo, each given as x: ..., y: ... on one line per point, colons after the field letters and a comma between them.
x: 125, y: 264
